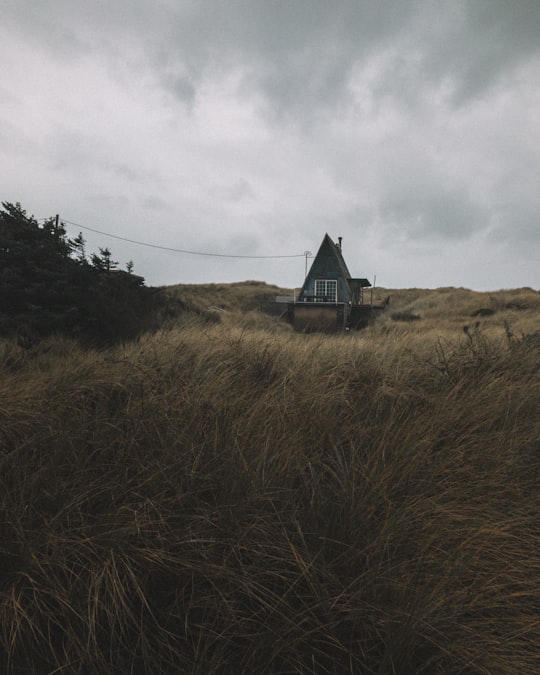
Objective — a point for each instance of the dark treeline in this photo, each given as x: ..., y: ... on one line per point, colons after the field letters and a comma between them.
x: 48, y: 285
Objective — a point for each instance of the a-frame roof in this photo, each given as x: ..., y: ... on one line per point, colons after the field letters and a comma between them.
x: 328, y: 256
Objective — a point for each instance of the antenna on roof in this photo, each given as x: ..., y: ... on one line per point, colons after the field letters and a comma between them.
x: 340, y: 239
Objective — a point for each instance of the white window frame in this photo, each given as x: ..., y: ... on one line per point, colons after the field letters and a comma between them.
x: 327, y: 288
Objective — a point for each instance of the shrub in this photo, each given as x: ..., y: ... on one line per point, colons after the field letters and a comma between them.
x: 405, y: 316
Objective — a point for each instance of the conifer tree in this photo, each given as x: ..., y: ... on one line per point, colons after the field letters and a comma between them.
x: 47, y: 285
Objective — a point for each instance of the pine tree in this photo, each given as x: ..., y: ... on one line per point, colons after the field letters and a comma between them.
x: 104, y: 262
x: 47, y: 285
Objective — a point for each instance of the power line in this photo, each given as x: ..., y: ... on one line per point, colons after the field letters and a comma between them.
x: 179, y: 250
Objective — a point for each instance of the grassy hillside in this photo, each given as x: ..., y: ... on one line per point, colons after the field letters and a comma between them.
x: 228, y: 496
x: 241, y: 296
x: 245, y: 303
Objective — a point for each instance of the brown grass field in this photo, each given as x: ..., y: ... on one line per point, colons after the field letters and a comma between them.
x: 228, y: 496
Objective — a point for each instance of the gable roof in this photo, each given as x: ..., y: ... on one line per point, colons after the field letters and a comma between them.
x: 326, y: 263
x: 330, y: 264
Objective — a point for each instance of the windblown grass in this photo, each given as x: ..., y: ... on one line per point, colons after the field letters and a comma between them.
x: 220, y: 498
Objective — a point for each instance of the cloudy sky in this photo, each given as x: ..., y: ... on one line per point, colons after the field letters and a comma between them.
x: 411, y: 128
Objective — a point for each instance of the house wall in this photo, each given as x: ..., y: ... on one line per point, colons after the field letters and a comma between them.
x: 311, y: 316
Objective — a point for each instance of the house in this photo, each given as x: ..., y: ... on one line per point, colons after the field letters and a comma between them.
x: 330, y: 299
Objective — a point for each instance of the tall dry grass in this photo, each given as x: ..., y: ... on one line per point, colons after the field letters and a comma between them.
x: 220, y: 498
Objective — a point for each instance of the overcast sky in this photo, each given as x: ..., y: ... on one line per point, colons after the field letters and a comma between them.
x: 411, y: 128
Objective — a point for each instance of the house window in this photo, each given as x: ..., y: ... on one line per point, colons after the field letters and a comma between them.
x: 326, y: 290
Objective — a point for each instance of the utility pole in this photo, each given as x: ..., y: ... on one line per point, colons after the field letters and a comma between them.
x: 306, y: 254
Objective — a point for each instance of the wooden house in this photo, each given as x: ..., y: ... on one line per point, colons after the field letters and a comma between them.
x: 330, y: 299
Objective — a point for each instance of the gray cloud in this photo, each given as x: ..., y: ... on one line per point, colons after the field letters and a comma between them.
x: 447, y: 215
x: 257, y: 126
x: 486, y: 41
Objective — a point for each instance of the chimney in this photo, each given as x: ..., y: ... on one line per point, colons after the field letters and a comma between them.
x: 339, y: 242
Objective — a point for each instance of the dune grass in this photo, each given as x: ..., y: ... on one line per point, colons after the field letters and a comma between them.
x: 225, y: 497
